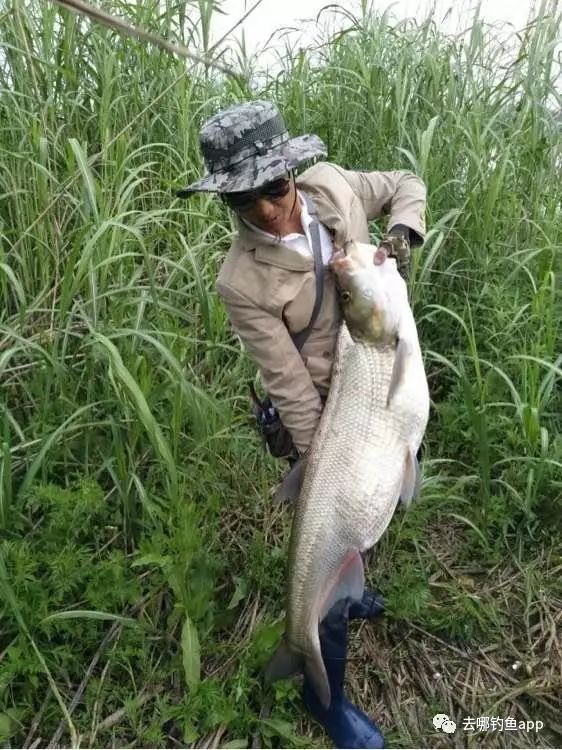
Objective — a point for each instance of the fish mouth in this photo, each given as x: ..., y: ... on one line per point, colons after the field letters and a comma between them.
x: 341, y: 252
x: 340, y: 261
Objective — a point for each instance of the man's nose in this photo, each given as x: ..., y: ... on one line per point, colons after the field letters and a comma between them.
x: 264, y: 208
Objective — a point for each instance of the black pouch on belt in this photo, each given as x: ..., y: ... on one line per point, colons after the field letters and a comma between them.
x: 275, y: 435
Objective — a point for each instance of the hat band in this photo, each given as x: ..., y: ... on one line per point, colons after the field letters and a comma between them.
x: 254, y: 140
x: 259, y: 148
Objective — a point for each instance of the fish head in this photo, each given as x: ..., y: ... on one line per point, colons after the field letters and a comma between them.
x: 372, y: 295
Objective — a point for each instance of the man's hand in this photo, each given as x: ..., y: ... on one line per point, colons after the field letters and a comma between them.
x: 395, y: 245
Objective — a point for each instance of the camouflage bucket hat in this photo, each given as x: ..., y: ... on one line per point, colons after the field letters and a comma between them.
x: 248, y: 145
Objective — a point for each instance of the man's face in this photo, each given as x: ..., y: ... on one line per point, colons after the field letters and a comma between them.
x: 272, y: 207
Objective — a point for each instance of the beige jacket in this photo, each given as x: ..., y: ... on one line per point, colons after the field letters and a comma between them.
x: 267, y: 286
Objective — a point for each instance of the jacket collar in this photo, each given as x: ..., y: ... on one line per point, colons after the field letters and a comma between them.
x: 326, y: 212
x: 272, y: 252
x: 277, y: 254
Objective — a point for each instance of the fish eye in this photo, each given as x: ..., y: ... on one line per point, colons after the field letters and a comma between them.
x: 345, y: 295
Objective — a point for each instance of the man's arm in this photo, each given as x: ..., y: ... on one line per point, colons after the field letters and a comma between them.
x: 400, y: 195
x: 284, y: 374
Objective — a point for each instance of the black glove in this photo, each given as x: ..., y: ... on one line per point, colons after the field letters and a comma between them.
x: 397, y: 246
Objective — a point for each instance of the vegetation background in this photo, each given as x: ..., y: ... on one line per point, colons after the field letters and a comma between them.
x: 142, y: 563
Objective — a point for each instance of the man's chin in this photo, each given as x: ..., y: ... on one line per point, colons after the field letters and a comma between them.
x: 272, y: 227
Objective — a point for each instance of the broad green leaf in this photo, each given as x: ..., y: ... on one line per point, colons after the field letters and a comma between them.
x: 191, y: 653
x: 425, y: 142
x: 240, y: 591
x: 152, y: 558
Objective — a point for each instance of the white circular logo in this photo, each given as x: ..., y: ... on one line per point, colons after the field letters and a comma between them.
x: 442, y: 722
x: 438, y: 720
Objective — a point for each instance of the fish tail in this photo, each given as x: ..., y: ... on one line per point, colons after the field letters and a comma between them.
x: 348, y: 583
x: 284, y: 663
x: 315, y: 673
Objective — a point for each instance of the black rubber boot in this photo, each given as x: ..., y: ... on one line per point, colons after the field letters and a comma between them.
x: 370, y: 606
x: 347, y: 726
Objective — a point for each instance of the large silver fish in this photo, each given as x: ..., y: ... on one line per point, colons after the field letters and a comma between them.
x: 362, y: 460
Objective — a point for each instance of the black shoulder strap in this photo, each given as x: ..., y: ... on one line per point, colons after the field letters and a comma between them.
x: 314, y: 228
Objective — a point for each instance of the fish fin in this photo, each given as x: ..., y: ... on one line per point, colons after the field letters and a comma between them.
x: 411, y: 482
x: 398, y: 368
x: 315, y: 672
x: 418, y: 483
x: 284, y: 663
x: 290, y: 487
x: 349, y: 583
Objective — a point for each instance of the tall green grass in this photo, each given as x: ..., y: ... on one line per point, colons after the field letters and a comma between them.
x: 131, y: 482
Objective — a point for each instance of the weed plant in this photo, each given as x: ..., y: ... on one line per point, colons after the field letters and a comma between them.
x: 142, y: 565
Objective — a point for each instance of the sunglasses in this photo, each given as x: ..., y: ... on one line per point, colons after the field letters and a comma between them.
x: 271, y: 191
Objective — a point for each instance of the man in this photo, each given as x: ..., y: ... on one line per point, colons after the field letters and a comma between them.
x: 283, y: 304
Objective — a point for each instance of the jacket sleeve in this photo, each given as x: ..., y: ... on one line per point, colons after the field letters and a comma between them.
x: 400, y: 195
x: 284, y: 374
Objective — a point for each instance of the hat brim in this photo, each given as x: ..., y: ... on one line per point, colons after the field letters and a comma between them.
x: 257, y: 170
